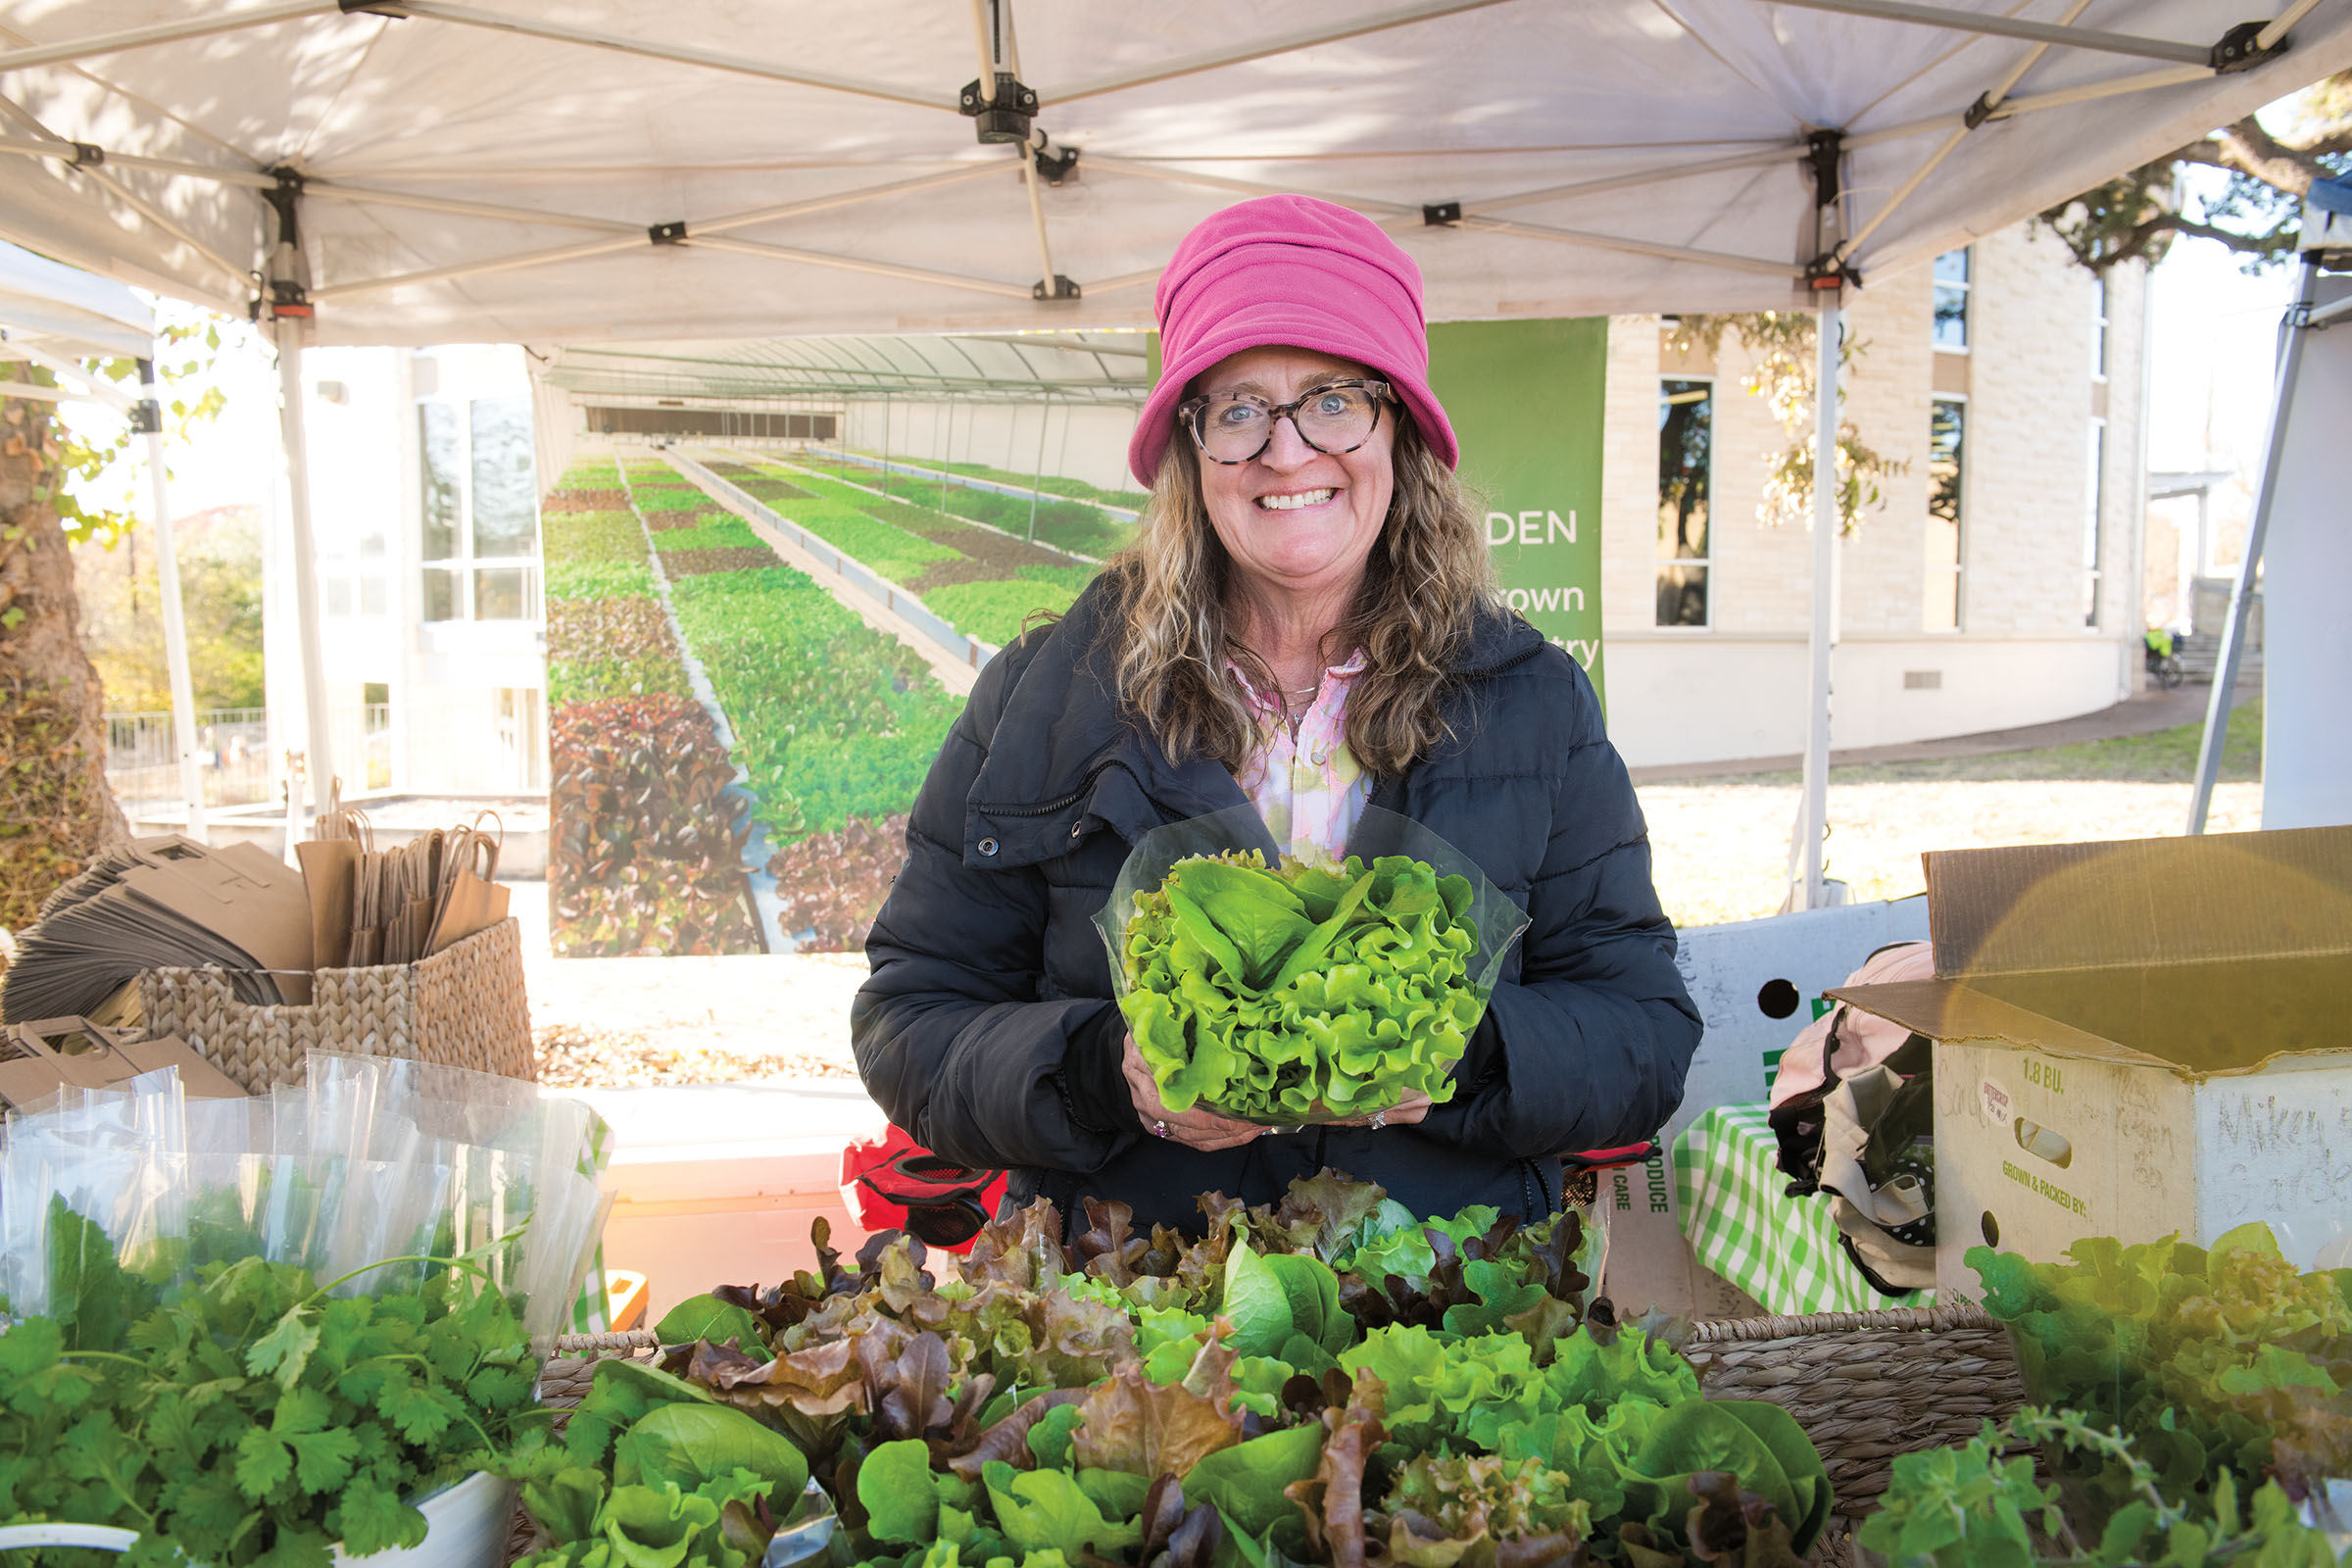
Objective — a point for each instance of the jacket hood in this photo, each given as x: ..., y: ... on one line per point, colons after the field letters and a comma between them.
x: 1065, y: 760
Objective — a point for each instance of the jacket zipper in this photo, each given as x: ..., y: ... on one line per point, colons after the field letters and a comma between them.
x: 1085, y: 784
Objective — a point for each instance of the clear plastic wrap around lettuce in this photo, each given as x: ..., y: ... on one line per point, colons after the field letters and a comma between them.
x: 1284, y: 992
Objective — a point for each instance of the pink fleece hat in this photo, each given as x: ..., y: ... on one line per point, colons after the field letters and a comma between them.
x: 1299, y: 273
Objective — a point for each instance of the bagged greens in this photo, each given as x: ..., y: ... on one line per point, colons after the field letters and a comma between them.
x: 1289, y: 993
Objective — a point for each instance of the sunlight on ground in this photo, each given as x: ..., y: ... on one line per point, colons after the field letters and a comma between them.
x: 1719, y: 850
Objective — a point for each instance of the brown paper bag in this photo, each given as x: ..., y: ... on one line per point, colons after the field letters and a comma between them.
x: 471, y: 900
x: 330, y: 875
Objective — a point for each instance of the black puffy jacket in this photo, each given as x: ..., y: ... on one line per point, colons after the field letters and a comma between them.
x: 985, y: 1028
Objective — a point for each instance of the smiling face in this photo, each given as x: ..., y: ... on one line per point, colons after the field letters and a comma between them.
x: 1298, y: 524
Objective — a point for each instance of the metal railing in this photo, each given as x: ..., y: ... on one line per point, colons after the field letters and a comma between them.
x: 233, y: 755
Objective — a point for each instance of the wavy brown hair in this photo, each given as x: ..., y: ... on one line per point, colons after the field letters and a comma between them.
x: 1177, y: 608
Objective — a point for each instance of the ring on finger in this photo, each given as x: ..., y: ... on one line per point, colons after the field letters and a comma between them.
x: 1380, y: 1119
x: 1159, y: 1129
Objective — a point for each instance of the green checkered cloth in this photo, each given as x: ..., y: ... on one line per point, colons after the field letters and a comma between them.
x: 1734, y: 1204
x: 591, y: 1315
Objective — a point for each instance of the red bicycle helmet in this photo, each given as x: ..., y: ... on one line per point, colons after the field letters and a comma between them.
x: 890, y: 1182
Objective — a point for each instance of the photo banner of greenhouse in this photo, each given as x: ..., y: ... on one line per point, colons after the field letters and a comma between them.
x: 773, y: 571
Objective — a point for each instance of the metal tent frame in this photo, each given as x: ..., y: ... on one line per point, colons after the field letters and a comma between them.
x: 1673, y: 153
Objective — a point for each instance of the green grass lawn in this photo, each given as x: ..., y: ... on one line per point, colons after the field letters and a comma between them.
x: 2163, y: 756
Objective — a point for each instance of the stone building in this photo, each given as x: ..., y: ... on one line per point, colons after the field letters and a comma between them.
x: 1998, y: 585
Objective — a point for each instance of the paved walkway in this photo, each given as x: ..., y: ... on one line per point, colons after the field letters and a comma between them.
x: 2144, y: 714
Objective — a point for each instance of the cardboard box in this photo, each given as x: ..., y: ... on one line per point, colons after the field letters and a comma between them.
x: 37, y: 1059
x: 1754, y: 981
x: 2137, y: 1038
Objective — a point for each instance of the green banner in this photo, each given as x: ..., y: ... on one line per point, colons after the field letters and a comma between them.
x: 1526, y: 400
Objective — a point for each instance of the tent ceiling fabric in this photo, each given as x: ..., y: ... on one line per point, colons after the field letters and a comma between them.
x: 1684, y: 118
x: 1088, y: 368
x: 65, y: 311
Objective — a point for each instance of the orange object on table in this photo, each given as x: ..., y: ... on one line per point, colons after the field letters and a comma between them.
x: 624, y: 1299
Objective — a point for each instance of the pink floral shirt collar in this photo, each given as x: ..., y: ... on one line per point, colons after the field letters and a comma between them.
x: 1307, y: 787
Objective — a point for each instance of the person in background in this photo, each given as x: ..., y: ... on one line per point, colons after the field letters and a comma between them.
x: 1308, y: 621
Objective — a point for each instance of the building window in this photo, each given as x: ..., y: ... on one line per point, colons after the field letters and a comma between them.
x: 1947, y: 423
x: 2098, y: 326
x: 1686, y: 480
x: 2097, y: 490
x: 479, y: 532
x: 1952, y: 270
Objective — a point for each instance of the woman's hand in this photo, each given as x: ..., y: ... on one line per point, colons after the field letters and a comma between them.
x: 1406, y: 1111
x: 1199, y: 1128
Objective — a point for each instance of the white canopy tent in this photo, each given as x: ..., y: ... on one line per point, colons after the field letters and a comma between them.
x: 56, y: 316
x: 443, y: 170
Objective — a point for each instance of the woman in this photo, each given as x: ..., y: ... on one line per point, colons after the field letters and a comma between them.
x: 1309, y: 622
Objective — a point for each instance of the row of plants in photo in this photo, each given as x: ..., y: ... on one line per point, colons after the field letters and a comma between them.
x: 983, y: 583
x: 1067, y: 524
x: 833, y: 725
x: 833, y: 720
x: 1053, y: 485
x: 647, y: 851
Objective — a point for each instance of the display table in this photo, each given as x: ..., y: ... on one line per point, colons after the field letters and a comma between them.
x: 1734, y: 1208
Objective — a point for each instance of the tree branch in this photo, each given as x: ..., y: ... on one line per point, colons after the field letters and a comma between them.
x: 2251, y: 150
x: 2175, y: 224
x: 2331, y: 146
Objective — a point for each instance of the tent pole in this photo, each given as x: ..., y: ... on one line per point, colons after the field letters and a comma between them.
x: 319, y: 746
x: 1990, y: 102
x: 148, y: 419
x: 851, y: 264
x: 1637, y: 247
x: 1783, y: 153
x: 2011, y: 26
x: 1823, y: 639
x: 204, y: 25
x: 2241, y: 593
x: 1263, y: 48
x: 653, y: 49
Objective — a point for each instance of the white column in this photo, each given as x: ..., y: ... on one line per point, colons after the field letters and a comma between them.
x: 1823, y: 638
x: 175, y: 627
x: 318, y: 720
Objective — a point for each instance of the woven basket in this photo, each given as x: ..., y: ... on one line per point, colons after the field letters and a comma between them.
x: 462, y: 1007
x: 562, y: 1384
x: 1866, y: 1387
x: 564, y: 1379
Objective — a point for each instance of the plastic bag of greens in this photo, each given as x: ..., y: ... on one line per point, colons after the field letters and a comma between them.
x: 116, y: 1158
x: 1285, y: 992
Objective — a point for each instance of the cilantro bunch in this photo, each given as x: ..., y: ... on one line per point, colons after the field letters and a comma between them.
x: 1301, y: 992
x: 247, y: 1415
x: 1979, y: 1505
x: 2214, y: 1361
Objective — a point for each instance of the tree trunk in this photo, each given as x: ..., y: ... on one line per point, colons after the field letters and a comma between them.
x: 56, y: 811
